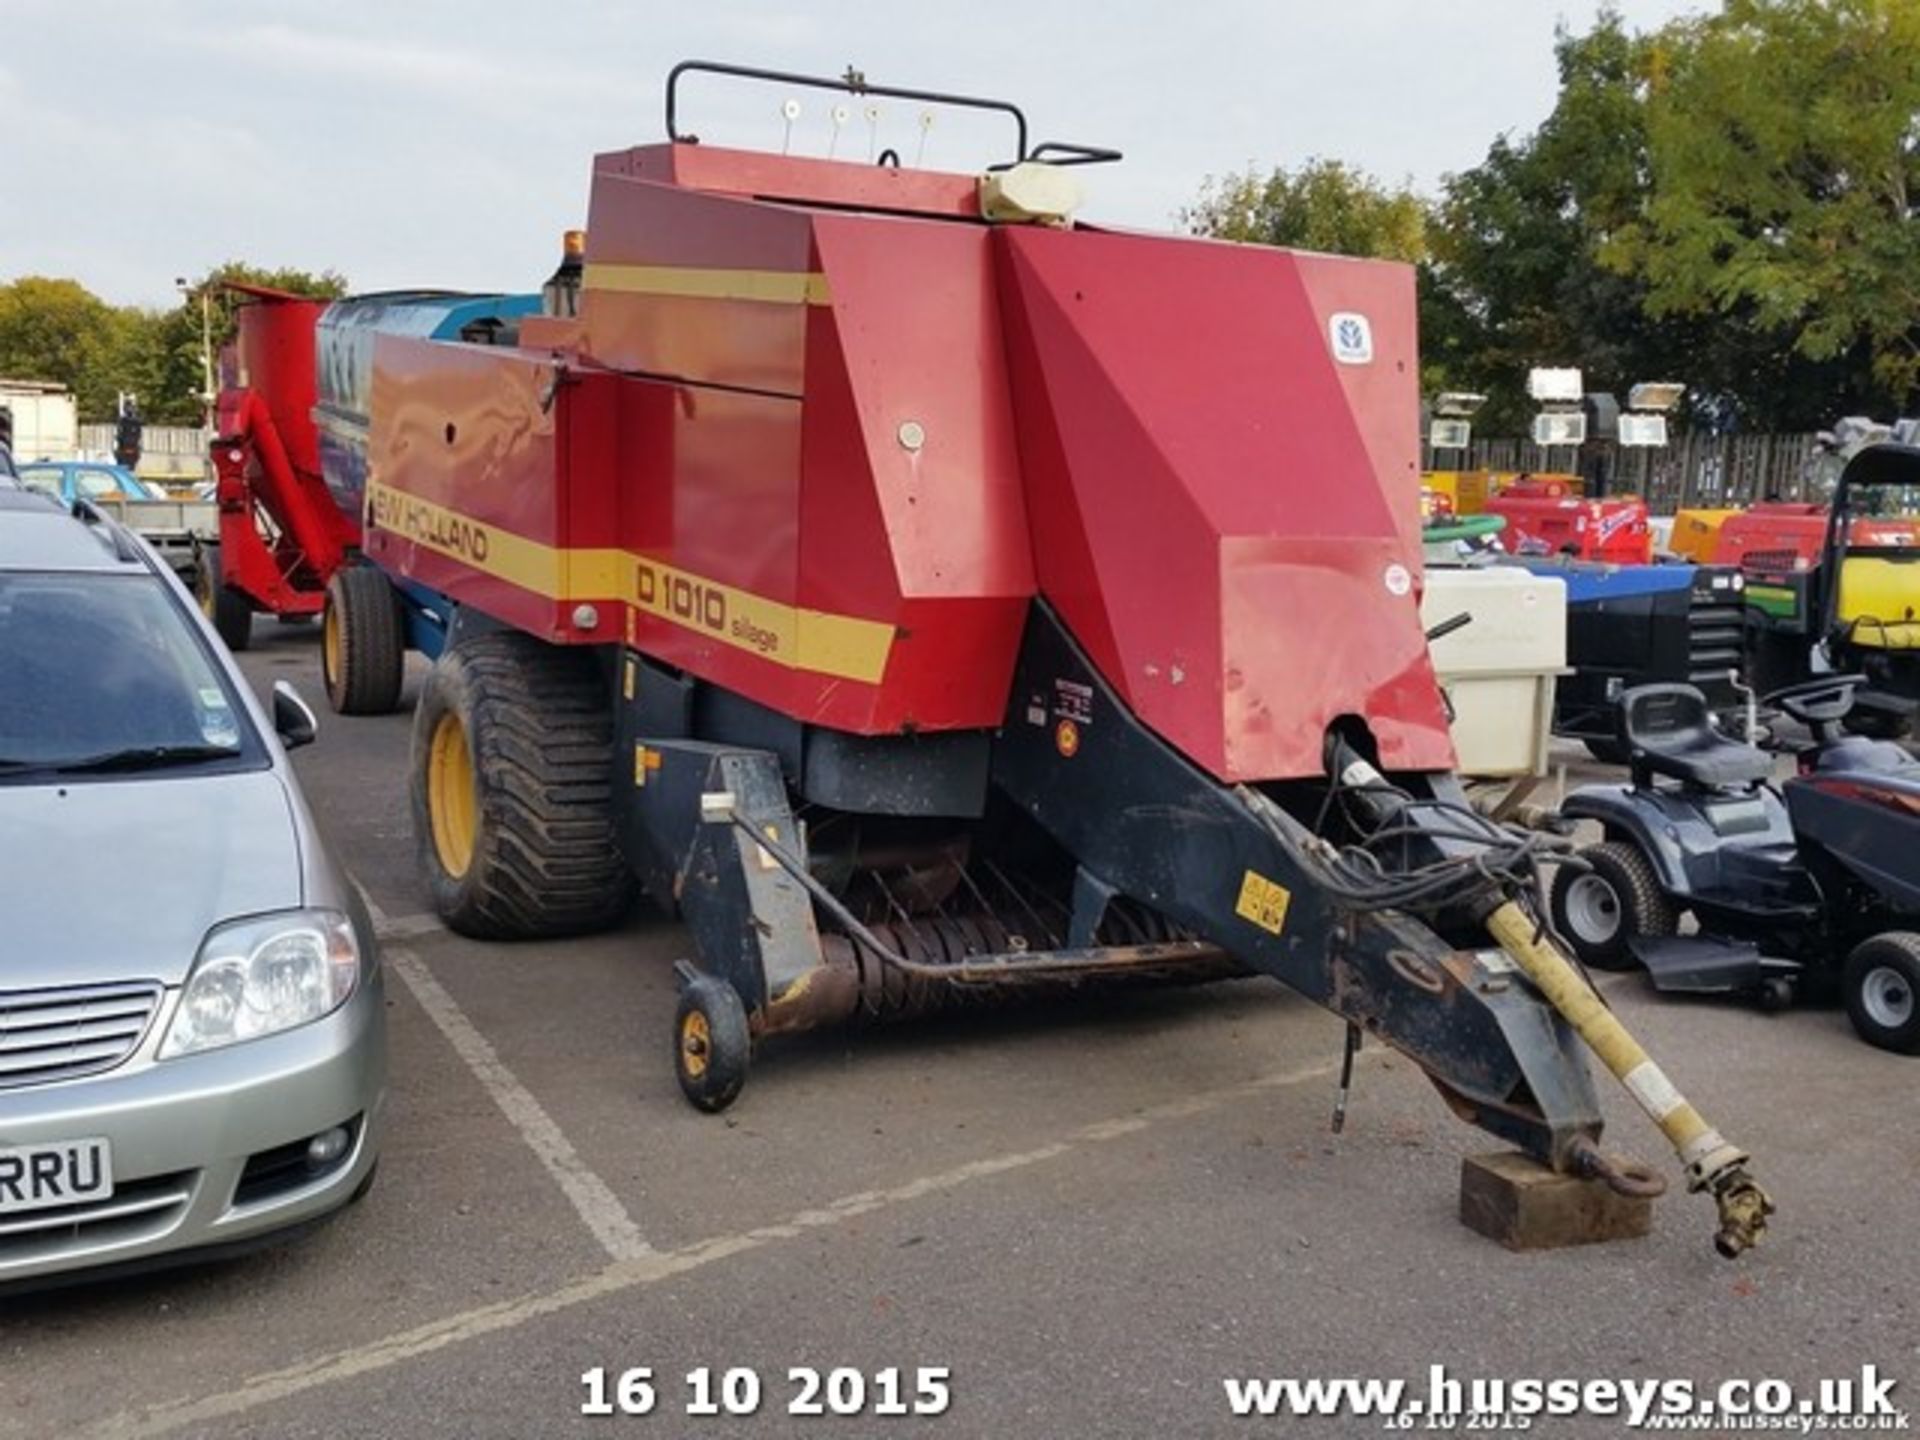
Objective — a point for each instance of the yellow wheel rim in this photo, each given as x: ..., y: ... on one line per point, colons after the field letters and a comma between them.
x: 330, y: 644
x: 696, y: 1041
x: 203, y: 588
x: 451, y: 808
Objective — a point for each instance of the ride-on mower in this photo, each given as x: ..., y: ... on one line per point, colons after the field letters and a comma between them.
x: 1814, y: 885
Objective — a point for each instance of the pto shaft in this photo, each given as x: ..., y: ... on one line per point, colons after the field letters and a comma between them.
x: 1711, y: 1163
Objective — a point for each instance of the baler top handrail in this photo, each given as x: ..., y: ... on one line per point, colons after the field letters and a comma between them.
x: 1063, y: 152
x: 853, y: 82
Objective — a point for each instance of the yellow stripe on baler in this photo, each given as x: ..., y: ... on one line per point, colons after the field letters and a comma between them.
x: 813, y: 640
x: 558, y: 574
x: 820, y: 642
x: 777, y: 287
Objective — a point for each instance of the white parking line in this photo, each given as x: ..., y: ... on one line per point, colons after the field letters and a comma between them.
x: 597, y: 1205
x: 605, y: 1216
x: 404, y: 927
x: 644, y: 1270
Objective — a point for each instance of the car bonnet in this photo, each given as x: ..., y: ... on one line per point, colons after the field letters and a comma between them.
x: 105, y: 881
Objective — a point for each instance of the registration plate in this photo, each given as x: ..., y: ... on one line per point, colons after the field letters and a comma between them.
x: 42, y: 1177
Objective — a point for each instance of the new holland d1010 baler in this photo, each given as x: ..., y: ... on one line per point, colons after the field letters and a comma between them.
x: 931, y: 599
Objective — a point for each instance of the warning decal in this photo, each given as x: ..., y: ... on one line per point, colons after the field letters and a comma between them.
x: 1263, y: 902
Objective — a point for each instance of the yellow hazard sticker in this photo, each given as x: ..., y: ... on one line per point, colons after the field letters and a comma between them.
x: 645, y: 762
x: 1264, y: 902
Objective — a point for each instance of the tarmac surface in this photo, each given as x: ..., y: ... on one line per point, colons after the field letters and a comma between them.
x: 1089, y: 1217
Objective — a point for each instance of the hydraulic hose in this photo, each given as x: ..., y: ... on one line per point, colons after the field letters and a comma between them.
x: 1711, y: 1163
x: 1485, y: 859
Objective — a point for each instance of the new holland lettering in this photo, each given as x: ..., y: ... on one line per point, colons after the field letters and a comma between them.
x: 431, y: 526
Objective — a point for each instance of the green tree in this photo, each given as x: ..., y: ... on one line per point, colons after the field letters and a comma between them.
x: 59, y: 331
x: 1329, y: 206
x: 172, y: 354
x: 1785, y: 175
x: 1518, y: 240
x: 1325, y: 205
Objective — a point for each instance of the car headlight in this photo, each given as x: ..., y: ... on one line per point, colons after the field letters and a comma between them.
x: 260, y: 976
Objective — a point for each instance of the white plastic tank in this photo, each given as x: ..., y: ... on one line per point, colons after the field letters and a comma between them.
x: 1499, y: 669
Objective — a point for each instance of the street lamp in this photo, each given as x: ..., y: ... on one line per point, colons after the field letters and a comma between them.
x: 188, y: 291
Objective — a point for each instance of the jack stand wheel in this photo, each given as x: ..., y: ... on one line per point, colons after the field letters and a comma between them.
x: 712, y: 1046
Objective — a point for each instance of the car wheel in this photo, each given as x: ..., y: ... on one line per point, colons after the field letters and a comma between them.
x: 229, y: 610
x: 1600, y: 910
x: 712, y: 1044
x: 1881, y: 984
x: 512, y: 791
x: 363, y: 650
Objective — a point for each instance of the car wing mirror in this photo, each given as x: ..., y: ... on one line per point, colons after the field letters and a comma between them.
x: 293, y: 718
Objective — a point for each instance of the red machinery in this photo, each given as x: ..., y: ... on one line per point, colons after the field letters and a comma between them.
x: 1546, y: 517
x: 932, y: 599
x: 281, y: 535
x: 1786, y: 535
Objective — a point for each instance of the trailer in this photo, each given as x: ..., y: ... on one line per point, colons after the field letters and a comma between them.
x: 932, y: 600
x: 371, y: 620
x: 289, y: 466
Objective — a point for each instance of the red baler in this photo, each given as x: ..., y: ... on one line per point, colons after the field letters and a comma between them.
x: 930, y: 598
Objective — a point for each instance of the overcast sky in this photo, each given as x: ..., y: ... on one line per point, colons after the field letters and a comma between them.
x: 447, y: 142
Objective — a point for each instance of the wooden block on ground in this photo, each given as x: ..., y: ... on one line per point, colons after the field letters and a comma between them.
x: 1516, y: 1200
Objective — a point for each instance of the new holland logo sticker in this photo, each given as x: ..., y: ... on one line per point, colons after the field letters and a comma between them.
x: 1352, y: 338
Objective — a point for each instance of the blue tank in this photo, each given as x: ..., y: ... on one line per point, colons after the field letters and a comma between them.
x: 1633, y: 625
x: 344, y: 369
x: 1592, y: 581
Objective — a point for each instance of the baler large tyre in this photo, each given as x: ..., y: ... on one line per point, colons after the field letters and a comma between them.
x: 1881, y: 984
x: 229, y: 610
x: 513, y: 793
x: 363, y: 643
x: 1599, y: 911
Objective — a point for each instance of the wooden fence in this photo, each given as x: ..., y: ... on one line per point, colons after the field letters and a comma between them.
x: 1696, y: 469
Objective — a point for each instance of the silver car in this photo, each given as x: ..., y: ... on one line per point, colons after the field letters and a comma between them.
x: 192, y: 1030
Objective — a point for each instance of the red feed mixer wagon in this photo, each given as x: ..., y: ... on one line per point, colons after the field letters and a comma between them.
x: 932, y: 599
x: 281, y: 536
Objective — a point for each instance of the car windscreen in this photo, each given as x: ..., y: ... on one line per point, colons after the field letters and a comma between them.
x: 93, y: 483
x: 104, y: 674
x: 1901, y: 502
x: 44, y: 478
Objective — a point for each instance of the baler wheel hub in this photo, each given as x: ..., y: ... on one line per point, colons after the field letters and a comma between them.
x: 696, y: 1043
x: 712, y: 1040
x: 330, y: 644
x: 451, y: 807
